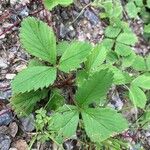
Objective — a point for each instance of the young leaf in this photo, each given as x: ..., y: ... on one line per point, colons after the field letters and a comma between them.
x: 65, y: 121
x: 127, y: 38
x: 24, y: 103
x: 94, y: 88
x: 137, y: 96
x: 74, y: 55
x: 102, y: 123
x: 122, y: 49
x: 96, y: 58
x: 142, y: 81
x: 56, y: 100
x: 112, y: 32
x: 33, y: 78
x: 38, y: 39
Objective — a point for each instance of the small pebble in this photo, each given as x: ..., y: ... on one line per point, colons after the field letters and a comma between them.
x: 5, y: 142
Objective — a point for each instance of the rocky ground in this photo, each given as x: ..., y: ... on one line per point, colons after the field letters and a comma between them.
x: 80, y: 21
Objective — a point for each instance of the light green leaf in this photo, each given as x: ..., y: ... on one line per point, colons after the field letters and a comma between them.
x: 24, y: 103
x: 142, y: 81
x: 65, y: 121
x: 112, y: 57
x: 50, y: 4
x: 139, y: 63
x: 120, y: 77
x: 74, y: 55
x: 112, y: 32
x: 139, y: 3
x: 148, y: 62
x: 131, y: 10
x: 38, y: 39
x: 128, y: 60
x: 33, y: 78
x: 61, y: 47
x: 103, y: 123
x: 94, y: 88
x: 122, y: 49
x: 56, y: 100
x: 127, y: 38
x: 35, y: 62
x: 147, y: 28
x: 96, y: 58
x: 108, y: 43
x: 137, y: 96
x: 148, y: 3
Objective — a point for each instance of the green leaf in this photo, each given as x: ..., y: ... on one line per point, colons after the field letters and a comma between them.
x: 142, y: 81
x: 139, y: 63
x: 81, y: 77
x: 35, y: 62
x: 122, y: 50
x: 112, y: 57
x: 137, y: 96
x: 128, y: 60
x: 120, y: 77
x: 94, y: 88
x: 24, y: 103
x: 74, y: 55
x: 131, y: 10
x: 108, y: 43
x: 103, y: 123
x: 96, y: 58
x: 147, y: 28
x: 148, y: 62
x: 38, y: 39
x: 127, y: 38
x: 148, y: 3
x: 112, y: 32
x: 33, y: 78
x: 50, y: 4
x: 65, y: 121
x: 61, y: 47
x: 56, y: 100
x: 139, y: 3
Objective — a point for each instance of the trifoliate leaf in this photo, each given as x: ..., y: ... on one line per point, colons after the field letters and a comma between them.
x: 112, y: 32
x: 131, y: 10
x: 94, y: 88
x: 137, y: 96
x: 50, y: 4
x: 75, y: 54
x: 24, y: 103
x: 127, y: 38
x: 38, y: 39
x: 56, y: 100
x: 122, y: 49
x: 103, y: 123
x: 142, y: 81
x: 96, y: 58
x: 33, y: 78
x: 139, y: 63
x: 65, y: 121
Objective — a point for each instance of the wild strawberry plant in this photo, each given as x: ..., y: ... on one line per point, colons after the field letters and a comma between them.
x: 59, y: 69
x: 72, y: 79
